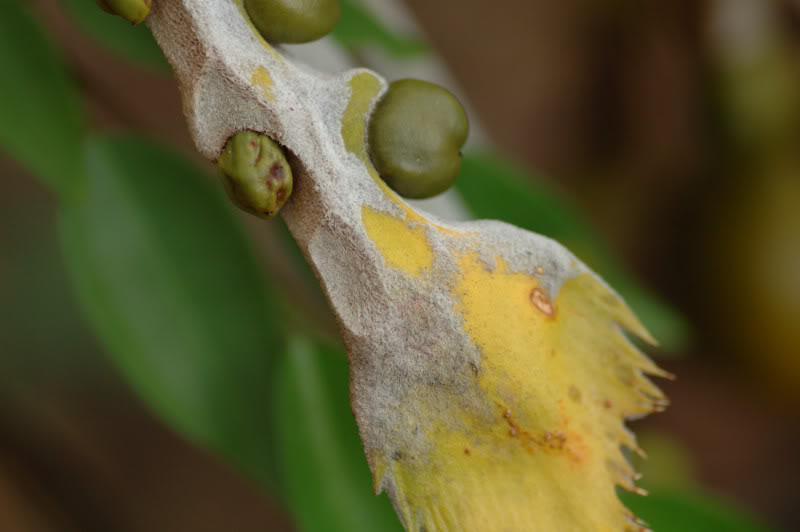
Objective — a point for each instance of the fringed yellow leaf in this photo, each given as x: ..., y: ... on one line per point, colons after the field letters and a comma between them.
x: 528, y: 435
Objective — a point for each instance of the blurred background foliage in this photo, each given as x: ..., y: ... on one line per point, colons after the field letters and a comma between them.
x: 167, y: 363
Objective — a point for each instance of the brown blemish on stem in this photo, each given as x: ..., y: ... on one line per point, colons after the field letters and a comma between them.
x: 562, y: 440
x: 542, y: 302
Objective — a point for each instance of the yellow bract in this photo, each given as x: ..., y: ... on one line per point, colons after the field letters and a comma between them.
x: 534, y: 441
x: 559, y: 377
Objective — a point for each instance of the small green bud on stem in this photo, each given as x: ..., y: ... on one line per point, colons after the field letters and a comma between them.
x: 255, y: 173
x: 415, y: 138
x: 134, y: 11
x: 293, y: 21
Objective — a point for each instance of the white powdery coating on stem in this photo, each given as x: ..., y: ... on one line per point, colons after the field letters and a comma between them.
x: 399, y: 331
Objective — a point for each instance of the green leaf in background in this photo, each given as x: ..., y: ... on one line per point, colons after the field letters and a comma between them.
x: 41, y: 122
x: 133, y: 42
x: 171, y: 288
x: 357, y: 28
x: 327, y: 482
x: 494, y: 189
x: 688, y: 512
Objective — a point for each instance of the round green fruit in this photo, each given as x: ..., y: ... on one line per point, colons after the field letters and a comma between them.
x: 255, y: 173
x: 134, y: 11
x: 293, y: 21
x: 415, y: 138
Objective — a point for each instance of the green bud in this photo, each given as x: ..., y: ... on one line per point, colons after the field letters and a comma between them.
x: 293, y: 21
x: 134, y: 11
x: 415, y: 138
x: 255, y: 173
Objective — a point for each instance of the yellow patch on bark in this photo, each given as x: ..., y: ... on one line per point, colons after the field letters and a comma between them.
x: 403, y: 245
x: 262, y: 79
